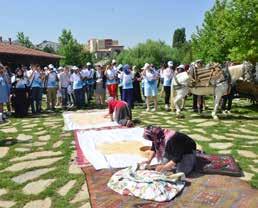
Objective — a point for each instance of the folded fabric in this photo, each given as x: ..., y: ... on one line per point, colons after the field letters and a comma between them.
x: 217, y: 164
x: 147, y: 184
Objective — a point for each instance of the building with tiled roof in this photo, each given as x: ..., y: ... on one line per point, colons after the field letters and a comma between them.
x: 13, y: 54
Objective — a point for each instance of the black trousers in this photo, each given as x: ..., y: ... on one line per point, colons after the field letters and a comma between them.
x: 35, y: 99
x: 167, y: 90
x: 21, y: 102
x: 197, y: 105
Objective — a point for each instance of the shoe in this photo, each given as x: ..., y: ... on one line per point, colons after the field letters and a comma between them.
x: 166, y: 107
x: 147, y: 110
x: 228, y: 112
x: 224, y: 112
x: 153, y: 110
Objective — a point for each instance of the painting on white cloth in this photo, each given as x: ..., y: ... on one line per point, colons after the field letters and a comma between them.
x: 114, y: 148
x: 87, y: 120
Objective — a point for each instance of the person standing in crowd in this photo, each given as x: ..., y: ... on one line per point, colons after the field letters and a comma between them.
x: 8, y: 76
x: 77, y: 80
x: 174, y: 150
x: 51, y: 85
x: 150, y: 86
x: 227, y: 99
x: 36, y: 80
x: 43, y: 87
x: 59, y: 93
x: 161, y: 79
x: 90, y: 81
x: 119, y: 70
x: 100, y: 85
x: 198, y: 100
x: 167, y: 80
x: 20, y: 93
x: 4, y: 92
x: 127, y: 84
x: 111, y: 84
x: 136, y: 85
x: 119, y: 112
x: 64, y: 82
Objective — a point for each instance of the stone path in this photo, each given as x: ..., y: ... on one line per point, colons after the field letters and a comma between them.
x: 37, y: 186
x: 38, y: 169
x: 34, y: 164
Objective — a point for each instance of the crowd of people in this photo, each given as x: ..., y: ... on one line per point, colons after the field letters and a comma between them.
x: 76, y: 86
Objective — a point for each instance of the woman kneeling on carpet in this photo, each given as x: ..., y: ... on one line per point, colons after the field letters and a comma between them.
x: 174, y: 150
x: 119, y: 112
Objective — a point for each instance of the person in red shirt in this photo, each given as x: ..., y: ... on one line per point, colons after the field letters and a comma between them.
x: 119, y: 112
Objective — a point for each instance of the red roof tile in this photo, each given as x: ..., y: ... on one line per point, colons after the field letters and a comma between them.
x: 6, y: 48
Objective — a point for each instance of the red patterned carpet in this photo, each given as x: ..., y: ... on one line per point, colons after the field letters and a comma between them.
x: 203, y: 191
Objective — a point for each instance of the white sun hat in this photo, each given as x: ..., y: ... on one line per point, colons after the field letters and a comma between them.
x: 74, y: 68
x: 113, y: 61
x: 181, y: 66
x: 146, y: 66
x: 51, y: 66
x: 88, y: 64
x: 170, y: 63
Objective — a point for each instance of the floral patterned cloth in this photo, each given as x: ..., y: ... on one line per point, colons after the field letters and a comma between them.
x: 147, y: 184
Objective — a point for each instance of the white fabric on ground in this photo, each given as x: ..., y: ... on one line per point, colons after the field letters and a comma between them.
x: 87, y: 120
x: 121, y: 157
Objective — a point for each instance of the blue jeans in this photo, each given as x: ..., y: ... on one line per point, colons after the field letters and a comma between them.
x: 64, y: 96
x: 90, y: 91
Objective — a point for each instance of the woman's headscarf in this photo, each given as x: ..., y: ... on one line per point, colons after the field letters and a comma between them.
x: 157, y: 136
x: 126, y: 69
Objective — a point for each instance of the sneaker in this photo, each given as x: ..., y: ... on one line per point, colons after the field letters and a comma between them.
x: 166, y: 107
x: 153, y: 110
x: 224, y: 112
x: 229, y: 113
x: 147, y: 110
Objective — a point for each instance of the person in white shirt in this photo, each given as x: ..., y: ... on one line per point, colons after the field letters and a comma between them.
x: 167, y: 80
x: 77, y: 80
x: 90, y: 81
x: 150, y: 85
x: 64, y: 82
x: 100, y: 85
x: 111, y: 74
x: 51, y: 85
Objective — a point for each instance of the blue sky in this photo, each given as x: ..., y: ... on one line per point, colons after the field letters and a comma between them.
x: 129, y: 21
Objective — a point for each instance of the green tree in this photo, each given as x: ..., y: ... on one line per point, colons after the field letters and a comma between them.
x: 155, y: 52
x: 85, y: 57
x: 49, y: 49
x: 209, y: 43
x: 229, y: 32
x: 179, y: 38
x: 24, y: 40
x: 70, y: 49
x: 241, y: 29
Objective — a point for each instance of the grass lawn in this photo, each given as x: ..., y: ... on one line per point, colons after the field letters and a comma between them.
x: 39, y: 143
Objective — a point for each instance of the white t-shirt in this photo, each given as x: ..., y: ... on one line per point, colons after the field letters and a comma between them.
x: 167, y: 75
x: 64, y: 79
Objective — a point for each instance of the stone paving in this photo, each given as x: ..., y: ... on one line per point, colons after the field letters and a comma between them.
x: 33, y: 162
x: 38, y: 161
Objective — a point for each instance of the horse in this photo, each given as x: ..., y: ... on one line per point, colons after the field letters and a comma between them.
x: 181, y: 84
